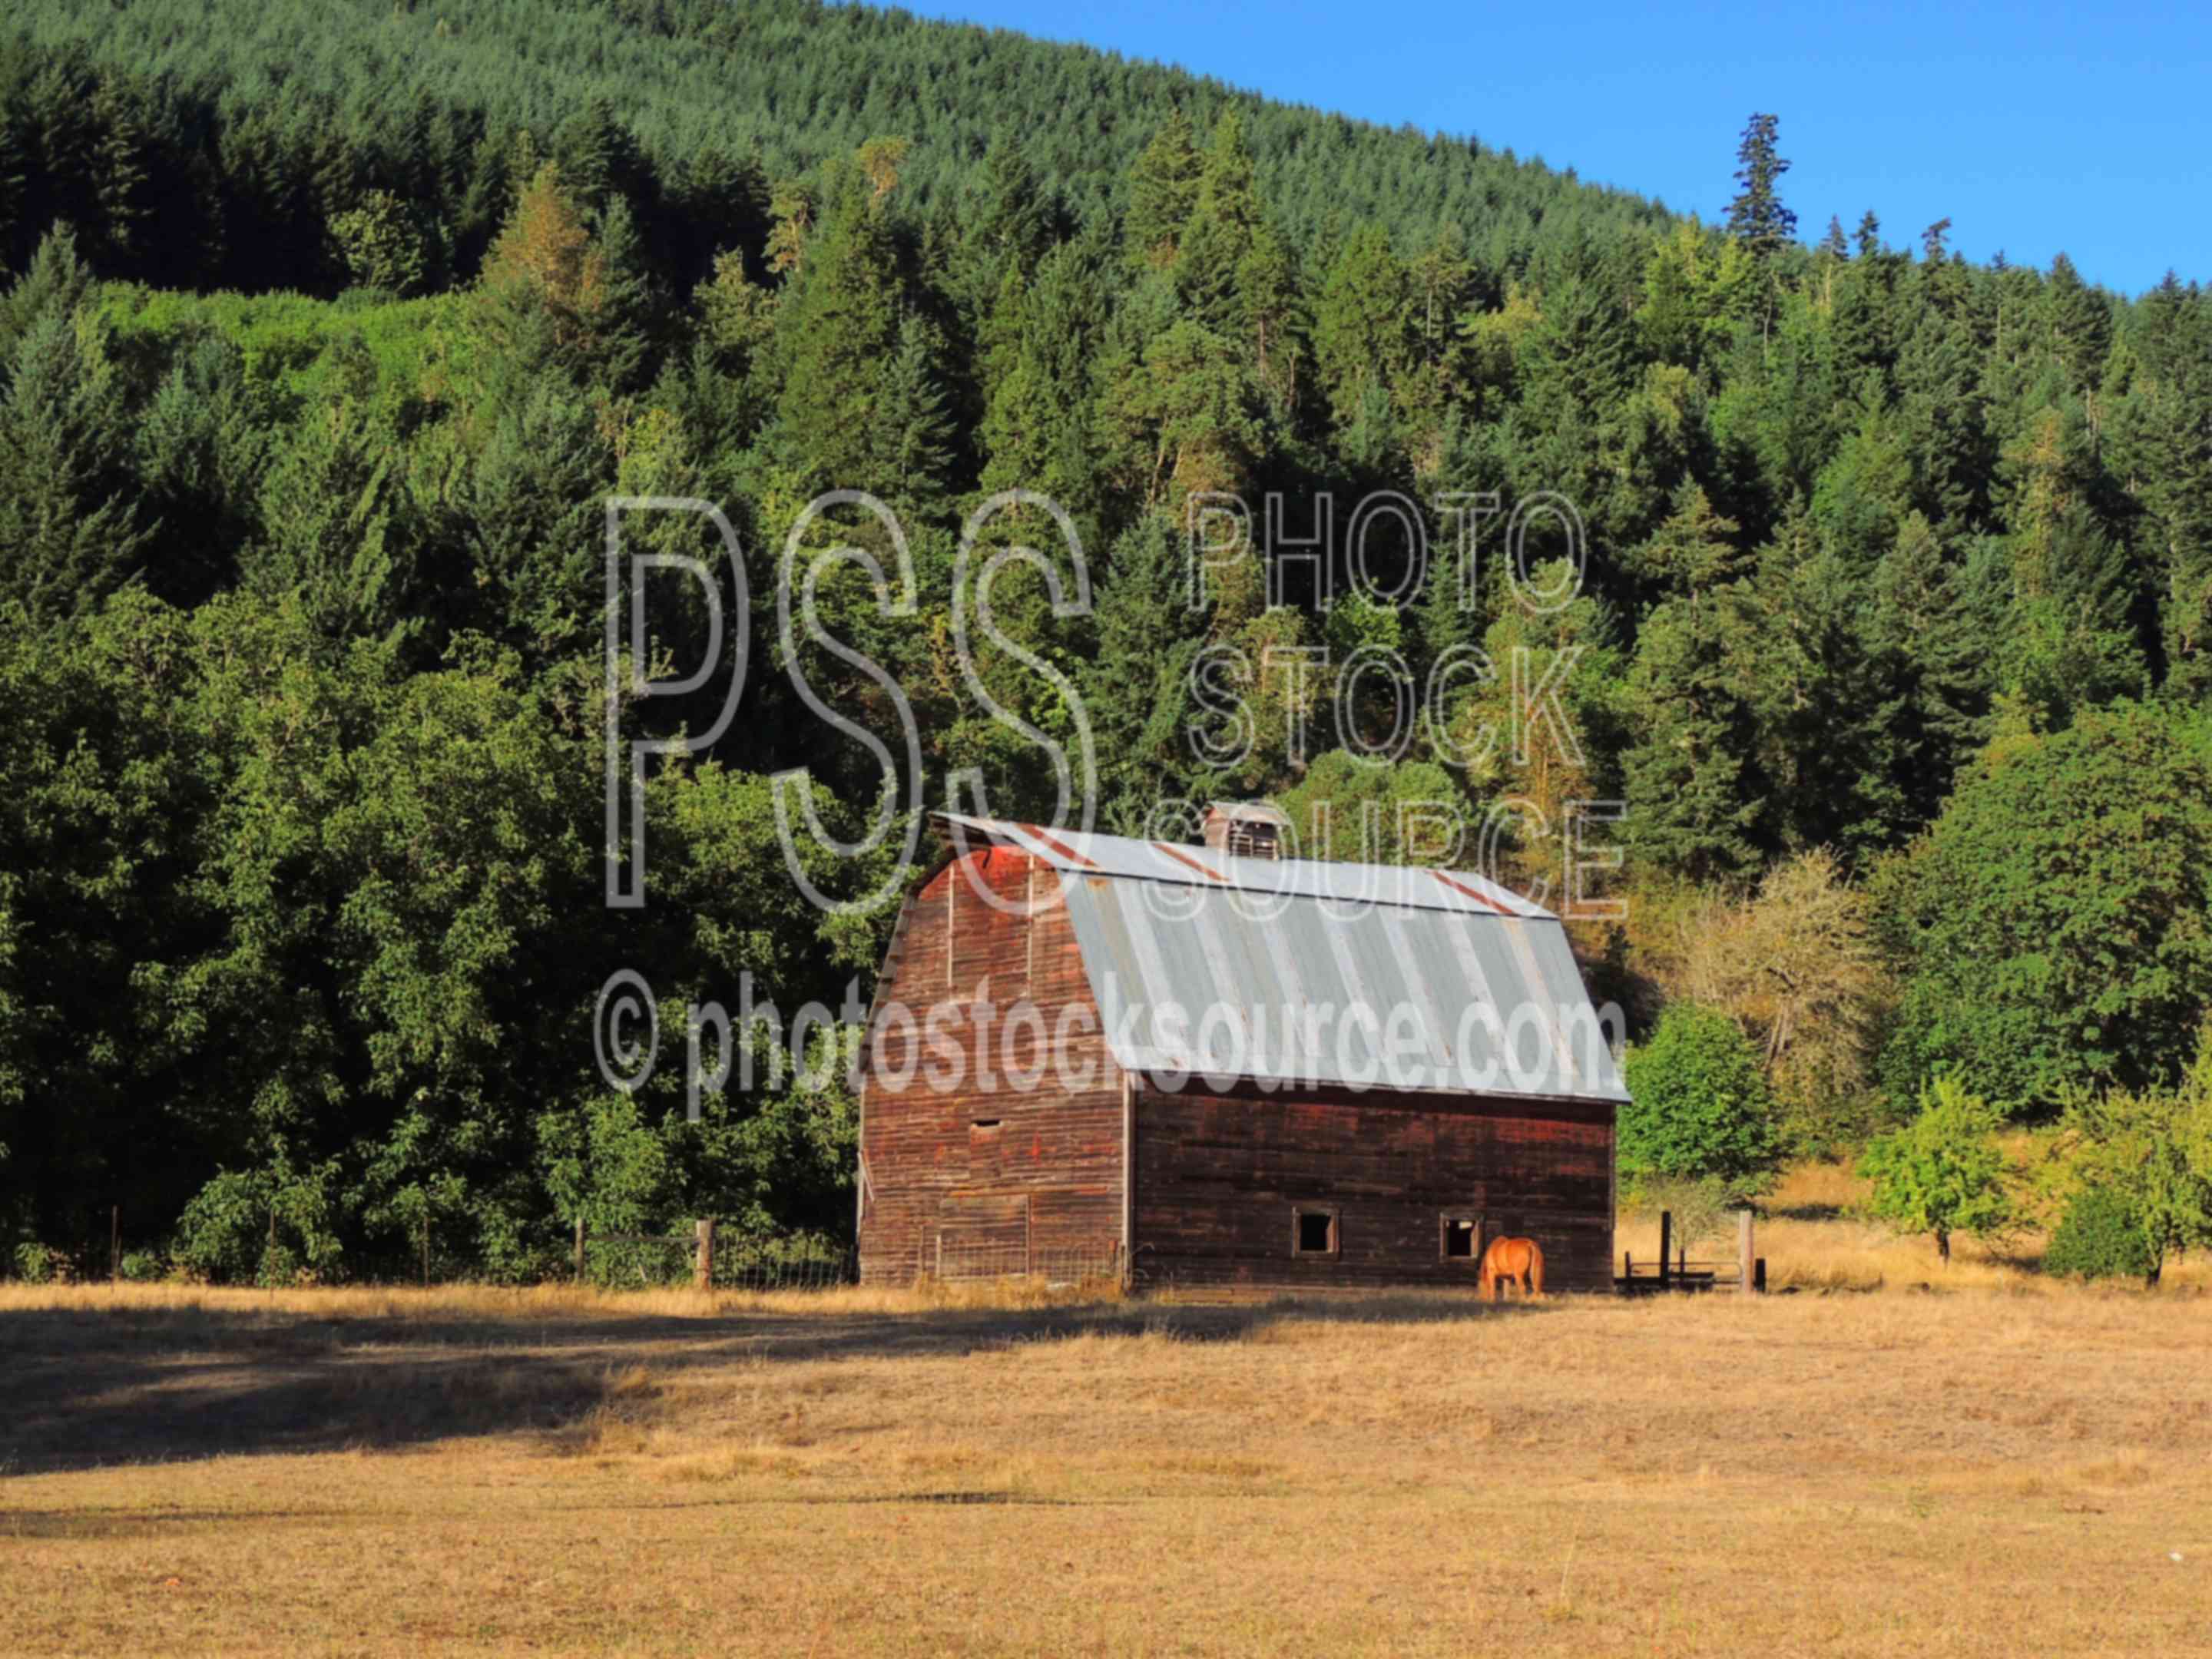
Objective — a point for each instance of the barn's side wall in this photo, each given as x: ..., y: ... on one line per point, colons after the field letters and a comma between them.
x: 1220, y: 1178
x: 940, y: 1189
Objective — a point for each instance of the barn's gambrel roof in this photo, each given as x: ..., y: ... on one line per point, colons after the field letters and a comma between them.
x: 1293, y: 971
x: 1408, y: 887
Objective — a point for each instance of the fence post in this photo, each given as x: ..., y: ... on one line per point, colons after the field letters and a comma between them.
x: 703, y: 1270
x: 579, y: 1249
x: 1743, y: 1250
x: 1666, y: 1243
x: 115, y: 1244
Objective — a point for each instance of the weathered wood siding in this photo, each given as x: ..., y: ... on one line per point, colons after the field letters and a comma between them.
x: 1219, y: 1179
x: 941, y: 1184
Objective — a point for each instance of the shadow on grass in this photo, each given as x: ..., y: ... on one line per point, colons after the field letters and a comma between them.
x: 1808, y: 1212
x: 89, y: 1387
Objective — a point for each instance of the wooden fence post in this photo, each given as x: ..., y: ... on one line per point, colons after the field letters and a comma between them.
x: 579, y: 1249
x: 703, y: 1270
x: 1743, y: 1250
x: 1666, y: 1243
x: 115, y: 1244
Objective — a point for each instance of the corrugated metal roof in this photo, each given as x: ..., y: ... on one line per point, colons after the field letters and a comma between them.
x: 1409, y: 886
x: 1295, y: 972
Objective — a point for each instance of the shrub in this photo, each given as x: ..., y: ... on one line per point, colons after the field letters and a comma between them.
x: 34, y: 1262
x: 222, y: 1231
x: 279, y: 1268
x: 2151, y: 1151
x: 1699, y: 1105
x: 250, y: 1227
x: 1700, y: 1207
x: 1943, y: 1172
x: 2099, y: 1237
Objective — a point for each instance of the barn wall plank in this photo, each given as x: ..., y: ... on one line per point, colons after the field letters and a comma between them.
x: 935, y: 1174
x: 1218, y: 1177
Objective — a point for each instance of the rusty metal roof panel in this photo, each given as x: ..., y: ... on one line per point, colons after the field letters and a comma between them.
x: 1351, y: 887
x: 1235, y: 981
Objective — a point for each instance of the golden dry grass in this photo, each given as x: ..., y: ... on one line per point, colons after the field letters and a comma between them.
x: 1974, y: 1470
x: 1811, y: 1243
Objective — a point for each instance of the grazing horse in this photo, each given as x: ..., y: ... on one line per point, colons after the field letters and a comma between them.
x: 1509, y: 1259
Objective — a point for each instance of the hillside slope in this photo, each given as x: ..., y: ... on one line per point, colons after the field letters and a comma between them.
x: 341, y: 97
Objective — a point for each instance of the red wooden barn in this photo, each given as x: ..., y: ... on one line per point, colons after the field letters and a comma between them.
x: 1207, y: 1065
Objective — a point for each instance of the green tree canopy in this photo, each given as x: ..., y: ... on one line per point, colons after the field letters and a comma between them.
x: 1699, y: 1106
x: 1943, y: 1173
x: 2054, y: 928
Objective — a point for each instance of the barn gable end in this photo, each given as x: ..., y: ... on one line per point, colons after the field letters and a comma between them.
x: 988, y: 1175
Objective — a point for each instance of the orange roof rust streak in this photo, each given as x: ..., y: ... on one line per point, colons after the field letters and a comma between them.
x: 1461, y: 887
x: 1056, y: 844
x: 1184, y: 858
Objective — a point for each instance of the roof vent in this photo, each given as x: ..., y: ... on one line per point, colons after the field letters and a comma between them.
x: 1245, y: 830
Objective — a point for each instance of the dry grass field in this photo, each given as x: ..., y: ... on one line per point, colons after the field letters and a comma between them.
x: 1992, y: 1465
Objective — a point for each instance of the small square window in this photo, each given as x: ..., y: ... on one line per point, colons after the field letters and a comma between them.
x: 1314, y: 1232
x: 1461, y: 1237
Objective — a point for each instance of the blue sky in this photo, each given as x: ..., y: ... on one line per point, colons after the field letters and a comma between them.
x: 2035, y: 128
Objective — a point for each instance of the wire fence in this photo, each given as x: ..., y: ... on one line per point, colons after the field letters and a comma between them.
x: 666, y: 1256
x: 956, y: 1262
x: 737, y: 1262
x: 616, y: 1259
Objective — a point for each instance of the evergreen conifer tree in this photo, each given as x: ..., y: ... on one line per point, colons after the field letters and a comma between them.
x: 70, y: 529
x: 1757, y: 217
x: 1163, y: 191
x: 836, y: 328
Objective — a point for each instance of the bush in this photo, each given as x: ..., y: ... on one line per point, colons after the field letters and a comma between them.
x: 1699, y: 1106
x: 1700, y: 1208
x: 222, y: 1231
x: 2099, y: 1237
x: 1943, y: 1172
x: 225, y: 1236
x: 2150, y: 1151
x: 35, y: 1263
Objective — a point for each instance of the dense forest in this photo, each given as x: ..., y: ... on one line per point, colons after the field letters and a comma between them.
x: 328, y: 333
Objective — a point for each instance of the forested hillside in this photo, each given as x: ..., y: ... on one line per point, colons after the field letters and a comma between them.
x: 329, y: 332
x: 218, y: 141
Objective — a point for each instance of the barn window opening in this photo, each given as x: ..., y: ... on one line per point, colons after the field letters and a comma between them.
x: 1315, y: 1232
x: 1461, y: 1234
x: 987, y: 1149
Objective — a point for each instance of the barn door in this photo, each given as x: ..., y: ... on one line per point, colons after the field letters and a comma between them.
x: 984, y: 1236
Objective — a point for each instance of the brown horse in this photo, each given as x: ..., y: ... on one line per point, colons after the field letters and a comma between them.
x: 1511, y: 1259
